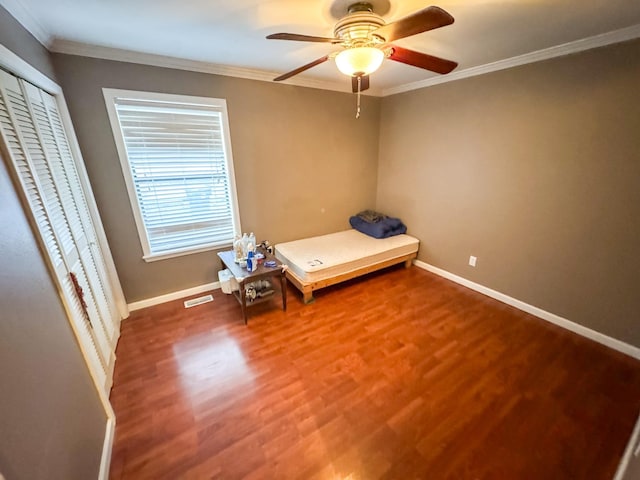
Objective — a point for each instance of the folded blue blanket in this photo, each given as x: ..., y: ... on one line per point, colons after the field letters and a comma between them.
x: 384, y: 228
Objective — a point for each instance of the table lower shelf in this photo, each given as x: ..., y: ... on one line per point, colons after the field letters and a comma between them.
x: 256, y: 300
x: 245, y: 278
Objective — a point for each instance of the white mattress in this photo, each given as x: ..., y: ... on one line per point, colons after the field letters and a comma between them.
x: 317, y: 258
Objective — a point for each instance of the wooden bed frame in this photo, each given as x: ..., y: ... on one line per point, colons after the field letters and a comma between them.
x: 307, y: 288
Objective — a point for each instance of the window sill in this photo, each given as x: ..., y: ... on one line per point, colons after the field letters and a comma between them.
x: 154, y: 257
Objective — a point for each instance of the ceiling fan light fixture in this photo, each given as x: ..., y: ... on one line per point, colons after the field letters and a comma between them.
x: 359, y: 60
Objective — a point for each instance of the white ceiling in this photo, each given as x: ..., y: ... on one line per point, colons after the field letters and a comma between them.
x: 231, y: 33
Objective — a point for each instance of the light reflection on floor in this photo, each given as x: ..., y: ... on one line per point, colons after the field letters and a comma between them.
x: 210, y: 366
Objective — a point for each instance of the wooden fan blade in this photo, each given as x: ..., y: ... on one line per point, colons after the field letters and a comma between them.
x: 422, y: 60
x: 364, y: 83
x: 422, y: 21
x: 301, y: 69
x: 302, y: 38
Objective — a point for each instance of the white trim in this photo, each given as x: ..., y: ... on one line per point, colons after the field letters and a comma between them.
x: 75, y: 48
x: 107, y: 448
x: 628, y: 452
x: 120, y: 55
x: 588, y: 43
x: 111, y: 96
x: 24, y: 16
x: 150, y: 302
x: 19, y: 67
x: 538, y: 312
x: 188, y: 251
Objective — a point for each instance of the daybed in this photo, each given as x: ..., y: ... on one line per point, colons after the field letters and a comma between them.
x: 318, y: 262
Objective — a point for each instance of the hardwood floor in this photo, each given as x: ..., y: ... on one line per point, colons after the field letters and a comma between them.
x: 400, y: 375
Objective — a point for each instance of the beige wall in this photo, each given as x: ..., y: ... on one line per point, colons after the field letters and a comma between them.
x: 536, y: 171
x: 17, y: 39
x: 52, y: 424
x: 303, y: 163
x: 533, y: 170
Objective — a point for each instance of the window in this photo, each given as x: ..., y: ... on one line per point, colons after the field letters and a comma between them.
x: 175, y: 153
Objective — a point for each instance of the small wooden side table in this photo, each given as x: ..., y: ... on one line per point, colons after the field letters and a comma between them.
x: 244, y: 277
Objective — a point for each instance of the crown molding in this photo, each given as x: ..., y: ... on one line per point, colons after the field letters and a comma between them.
x: 21, y: 14
x: 21, y: 68
x: 24, y: 16
x: 108, y: 53
x: 602, y: 40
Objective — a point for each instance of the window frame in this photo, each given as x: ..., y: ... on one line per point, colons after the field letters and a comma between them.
x: 110, y: 96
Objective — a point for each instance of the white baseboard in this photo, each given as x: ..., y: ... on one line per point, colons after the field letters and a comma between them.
x: 629, y: 454
x: 105, y: 461
x: 149, y: 302
x: 538, y: 312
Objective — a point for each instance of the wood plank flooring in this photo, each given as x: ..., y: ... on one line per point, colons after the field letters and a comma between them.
x: 400, y: 375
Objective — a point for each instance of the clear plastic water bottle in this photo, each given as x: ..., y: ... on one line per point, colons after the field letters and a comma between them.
x: 245, y: 241
x: 252, y: 241
x: 237, y: 248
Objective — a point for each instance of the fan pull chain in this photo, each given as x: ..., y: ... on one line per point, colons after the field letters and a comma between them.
x: 358, y: 100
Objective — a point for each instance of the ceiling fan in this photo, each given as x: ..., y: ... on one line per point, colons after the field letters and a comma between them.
x: 365, y: 40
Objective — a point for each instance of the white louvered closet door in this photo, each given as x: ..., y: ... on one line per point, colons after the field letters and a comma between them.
x: 39, y: 150
x: 95, y: 263
x: 82, y: 253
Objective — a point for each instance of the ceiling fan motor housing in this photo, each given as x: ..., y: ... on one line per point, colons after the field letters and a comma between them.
x: 355, y: 28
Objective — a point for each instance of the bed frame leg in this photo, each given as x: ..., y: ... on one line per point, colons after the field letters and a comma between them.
x: 408, y: 263
x: 307, y: 297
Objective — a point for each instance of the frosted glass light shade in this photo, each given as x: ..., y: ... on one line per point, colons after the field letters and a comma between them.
x: 359, y: 61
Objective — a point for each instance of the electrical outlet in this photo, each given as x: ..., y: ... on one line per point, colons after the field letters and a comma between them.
x: 472, y: 261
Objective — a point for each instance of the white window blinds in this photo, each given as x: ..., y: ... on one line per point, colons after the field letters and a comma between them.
x: 176, y: 157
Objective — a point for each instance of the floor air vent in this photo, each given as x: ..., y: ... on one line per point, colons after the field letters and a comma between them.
x: 198, y: 301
